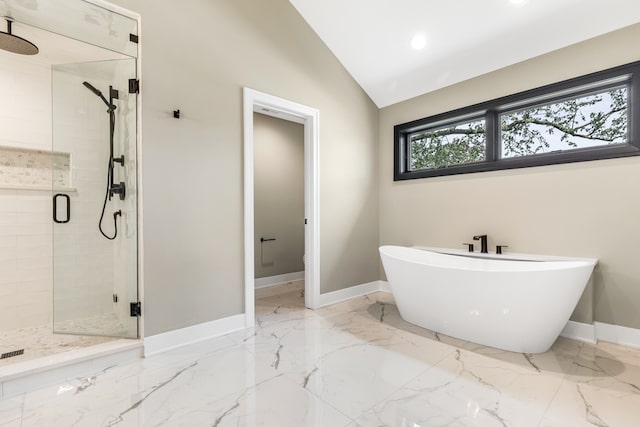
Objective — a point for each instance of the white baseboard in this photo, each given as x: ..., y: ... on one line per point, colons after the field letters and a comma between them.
x: 599, y: 331
x: 349, y: 293
x: 384, y: 286
x: 622, y: 335
x: 579, y: 331
x: 264, y: 282
x: 173, y: 339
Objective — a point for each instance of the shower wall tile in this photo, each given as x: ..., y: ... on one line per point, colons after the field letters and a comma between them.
x: 34, y: 273
x: 7, y: 218
x: 9, y: 271
x: 8, y: 221
x: 35, y: 218
x: 29, y: 245
x: 29, y: 202
x: 8, y: 244
x: 25, y: 113
x: 7, y: 289
x: 36, y: 262
x: 8, y: 200
x: 7, y: 253
x: 17, y: 315
x: 26, y: 229
x: 22, y: 133
x: 25, y: 215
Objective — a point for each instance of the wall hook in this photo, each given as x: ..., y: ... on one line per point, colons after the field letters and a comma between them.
x: 176, y: 114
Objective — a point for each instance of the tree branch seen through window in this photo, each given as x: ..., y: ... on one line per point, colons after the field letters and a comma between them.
x: 576, y: 123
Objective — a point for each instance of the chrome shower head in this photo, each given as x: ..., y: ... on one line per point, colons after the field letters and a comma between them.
x: 15, y: 44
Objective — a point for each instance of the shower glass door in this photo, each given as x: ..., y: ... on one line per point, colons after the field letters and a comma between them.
x: 95, y: 276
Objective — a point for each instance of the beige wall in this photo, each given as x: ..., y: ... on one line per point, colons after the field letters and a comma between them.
x: 198, y: 59
x: 586, y: 209
x: 278, y: 150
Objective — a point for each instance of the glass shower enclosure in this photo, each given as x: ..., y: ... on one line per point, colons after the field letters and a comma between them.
x: 92, y: 56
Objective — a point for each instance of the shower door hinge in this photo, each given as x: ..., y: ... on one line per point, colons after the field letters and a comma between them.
x: 134, y: 86
x: 136, y: 309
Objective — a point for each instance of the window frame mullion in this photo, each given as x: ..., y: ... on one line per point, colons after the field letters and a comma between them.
x: 492, y: 134
x: 633, y: 105
x: 490, y: 111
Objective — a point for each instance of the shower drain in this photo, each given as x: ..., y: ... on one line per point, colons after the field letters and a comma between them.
x: 12, y: 354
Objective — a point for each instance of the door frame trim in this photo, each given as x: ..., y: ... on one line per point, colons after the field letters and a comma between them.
x: 255, y: 101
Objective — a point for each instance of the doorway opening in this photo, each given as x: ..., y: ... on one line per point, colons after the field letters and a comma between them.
x: 258, y: 102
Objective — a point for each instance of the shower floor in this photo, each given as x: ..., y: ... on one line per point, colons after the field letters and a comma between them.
x: 40, y: 341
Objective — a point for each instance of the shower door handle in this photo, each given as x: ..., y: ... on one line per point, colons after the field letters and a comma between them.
x: 55, y: 208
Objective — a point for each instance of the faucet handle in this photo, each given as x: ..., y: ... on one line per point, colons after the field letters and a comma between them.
x: 470, y: 246
x: 499, y: 248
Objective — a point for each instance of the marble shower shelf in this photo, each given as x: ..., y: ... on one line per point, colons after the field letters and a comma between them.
x: 28, y: 169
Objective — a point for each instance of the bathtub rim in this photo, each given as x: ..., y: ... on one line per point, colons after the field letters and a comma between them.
x: 506, y: 255
x: 488, y: 262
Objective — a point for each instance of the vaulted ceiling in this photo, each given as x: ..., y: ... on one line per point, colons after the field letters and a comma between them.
x: 399, y: 49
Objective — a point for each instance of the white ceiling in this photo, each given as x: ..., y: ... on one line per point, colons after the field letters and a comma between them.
x: 464, y: 38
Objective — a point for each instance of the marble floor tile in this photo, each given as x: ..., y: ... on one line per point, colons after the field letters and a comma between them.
x: 356, y: 377
x: 559, y: 360
x: 11, y: 411
x: 356, y: 363
x: 291, y: 293
x: 275, y: 402
x: 580, y: 404
x: 608, y: 366
x: 468, y: 389
x: 224, y: 388
x: 381, y: 305
x: 283, y: 303
x: 136, y: 393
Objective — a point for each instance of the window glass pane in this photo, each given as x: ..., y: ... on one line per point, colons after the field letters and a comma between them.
x: 451, y: 145
x: 587, y: 121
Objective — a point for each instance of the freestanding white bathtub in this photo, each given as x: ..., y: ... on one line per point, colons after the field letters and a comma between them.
x: 515, y: 302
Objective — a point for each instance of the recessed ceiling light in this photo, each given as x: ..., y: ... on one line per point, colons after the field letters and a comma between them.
x: 419, y: 41
x: 518, y: 2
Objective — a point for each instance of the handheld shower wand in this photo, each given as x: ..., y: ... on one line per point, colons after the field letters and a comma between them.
x: 96, y: 92
x: 112, y: 187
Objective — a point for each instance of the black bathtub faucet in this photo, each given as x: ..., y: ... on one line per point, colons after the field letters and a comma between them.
x: 499, y: 248
x: 483, y: 243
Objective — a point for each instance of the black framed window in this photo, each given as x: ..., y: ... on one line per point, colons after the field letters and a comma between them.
x: 593, y: 117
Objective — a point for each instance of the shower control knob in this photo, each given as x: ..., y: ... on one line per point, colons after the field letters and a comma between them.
x: 118, y: 189
x: 119, y: 160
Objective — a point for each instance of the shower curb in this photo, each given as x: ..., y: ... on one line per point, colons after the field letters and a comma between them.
x: 33, y: 374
